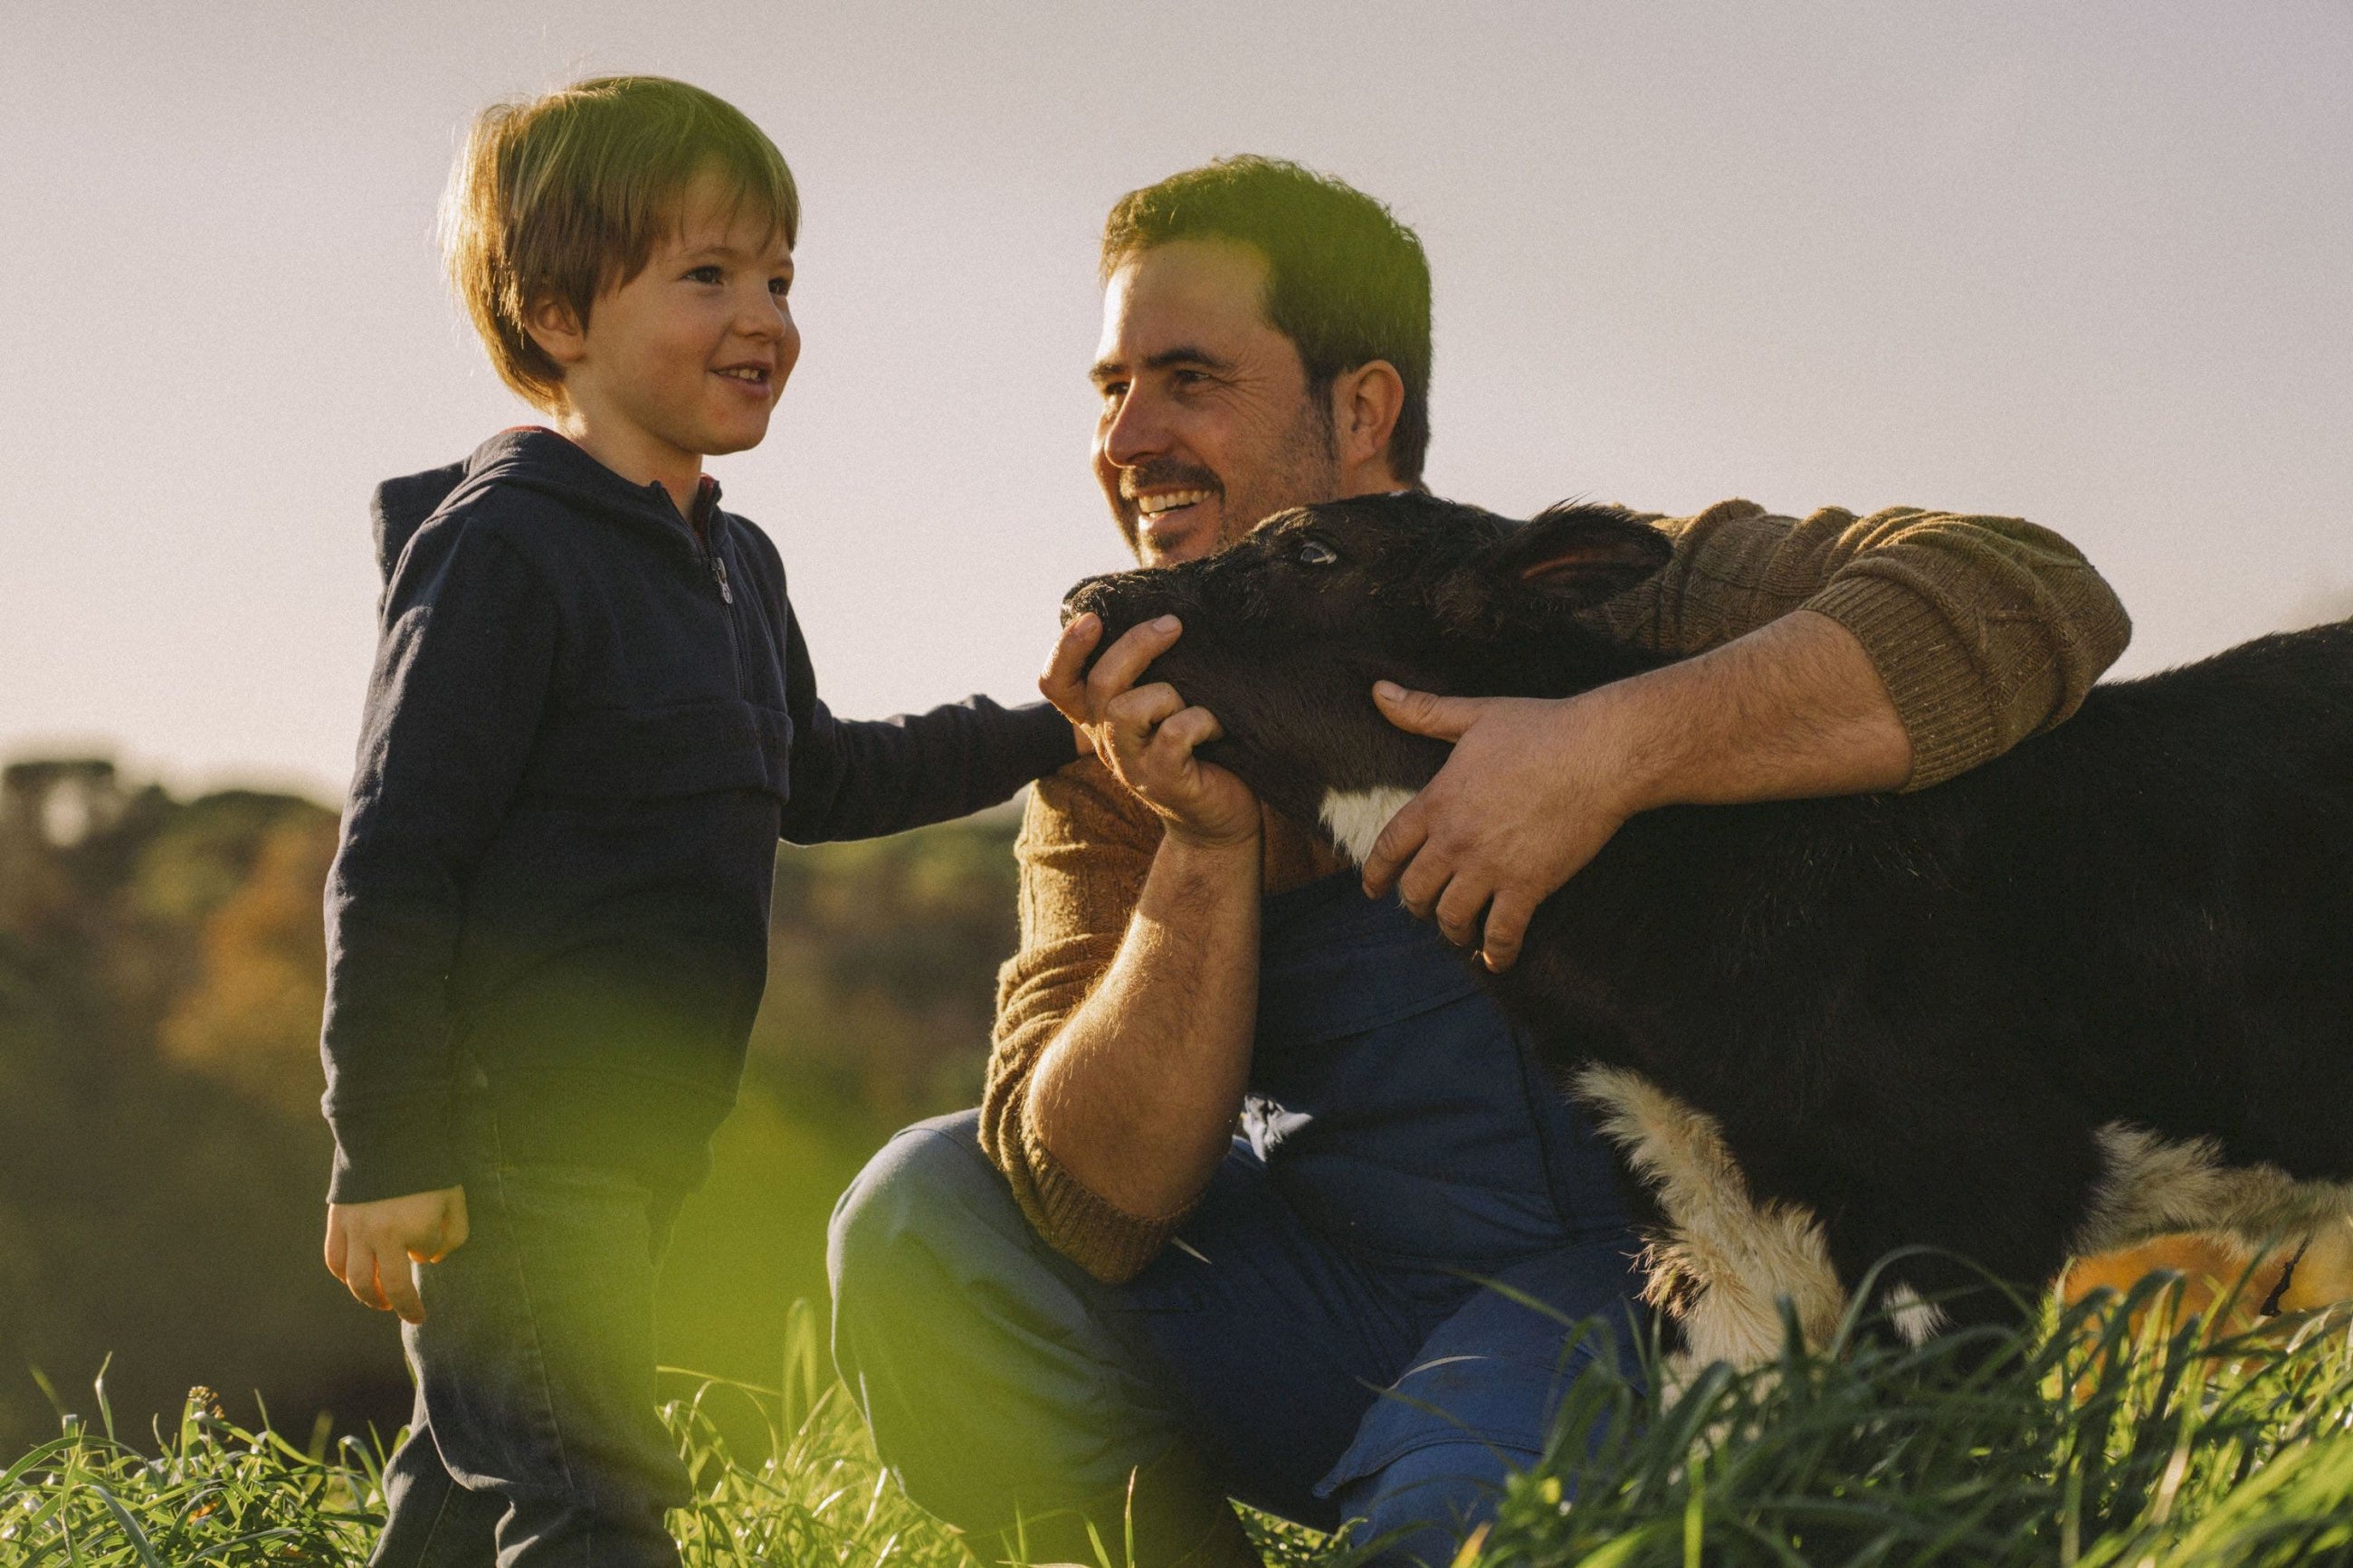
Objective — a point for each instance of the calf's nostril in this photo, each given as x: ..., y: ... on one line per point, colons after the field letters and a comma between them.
x: 1083, y: 598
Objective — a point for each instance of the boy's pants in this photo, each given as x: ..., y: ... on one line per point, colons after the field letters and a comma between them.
x: 535, y: 1442
x: 1317, y: 1336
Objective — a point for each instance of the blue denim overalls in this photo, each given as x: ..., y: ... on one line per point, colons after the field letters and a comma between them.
x: 1317, y: 1331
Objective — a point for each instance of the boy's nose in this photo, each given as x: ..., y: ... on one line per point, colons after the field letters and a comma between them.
x: 764, y: 315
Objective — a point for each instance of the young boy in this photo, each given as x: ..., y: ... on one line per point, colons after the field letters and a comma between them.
x: 591, y: 717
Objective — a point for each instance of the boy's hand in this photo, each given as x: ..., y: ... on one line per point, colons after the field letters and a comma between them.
x: 371, y: 1246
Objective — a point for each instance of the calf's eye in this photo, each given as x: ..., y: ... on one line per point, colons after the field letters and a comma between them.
x: 1315, y: 552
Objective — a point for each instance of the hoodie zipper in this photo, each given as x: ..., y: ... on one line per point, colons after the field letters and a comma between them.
x: 718, y: 564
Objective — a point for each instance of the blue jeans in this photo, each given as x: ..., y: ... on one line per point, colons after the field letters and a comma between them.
x: 535, y: 1443
x: 1318, y: 1335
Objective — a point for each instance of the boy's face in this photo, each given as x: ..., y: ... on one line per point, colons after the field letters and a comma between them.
x: 685, y: 360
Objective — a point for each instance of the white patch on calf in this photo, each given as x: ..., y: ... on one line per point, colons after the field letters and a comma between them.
x: 1744, y: 1257
x: 1354, y: 818
x: 1916, y: 1320
x: 2150, y: 1184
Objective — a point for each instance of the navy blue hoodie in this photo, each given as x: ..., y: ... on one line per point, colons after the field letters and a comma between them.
x: 588, y: 725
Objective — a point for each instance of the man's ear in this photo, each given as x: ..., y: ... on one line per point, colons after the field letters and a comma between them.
x: 558, y: 331
x: 1366, y: 403
x: 1582, y: 554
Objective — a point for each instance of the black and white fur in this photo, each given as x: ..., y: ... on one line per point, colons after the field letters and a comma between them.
x: 2098, y: 989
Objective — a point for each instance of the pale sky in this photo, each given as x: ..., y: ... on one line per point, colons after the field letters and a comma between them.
x: 2090, y: 264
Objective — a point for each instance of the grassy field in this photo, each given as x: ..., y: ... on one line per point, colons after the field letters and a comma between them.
x: 2098, y: 1440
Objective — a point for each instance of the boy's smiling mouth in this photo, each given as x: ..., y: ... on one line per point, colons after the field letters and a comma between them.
x: 751, y: 375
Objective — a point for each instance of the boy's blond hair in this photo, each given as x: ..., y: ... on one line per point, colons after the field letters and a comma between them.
x: 563, y: 196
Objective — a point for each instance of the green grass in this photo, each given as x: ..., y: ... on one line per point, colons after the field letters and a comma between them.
x: 2088, y: 1442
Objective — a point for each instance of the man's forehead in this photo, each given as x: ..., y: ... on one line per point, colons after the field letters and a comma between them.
x: 1209, y: 293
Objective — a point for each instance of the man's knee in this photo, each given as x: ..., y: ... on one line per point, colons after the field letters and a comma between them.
x: 927, y: 1195
x: 1426, y: 1501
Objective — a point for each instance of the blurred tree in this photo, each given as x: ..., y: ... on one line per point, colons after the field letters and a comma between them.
x: 251, y: 1019
x: 161, y: 1157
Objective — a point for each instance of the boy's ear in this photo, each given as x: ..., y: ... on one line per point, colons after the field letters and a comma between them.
x: 1582, y: 554
x: 556, y: 328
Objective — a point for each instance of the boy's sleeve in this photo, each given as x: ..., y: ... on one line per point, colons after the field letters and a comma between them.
x: 463, y: 665
x: 862, y: 779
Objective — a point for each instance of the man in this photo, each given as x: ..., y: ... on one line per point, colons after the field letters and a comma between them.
x: 1089, y: 1306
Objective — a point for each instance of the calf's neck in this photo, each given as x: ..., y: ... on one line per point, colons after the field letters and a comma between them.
x: 2095, y: 990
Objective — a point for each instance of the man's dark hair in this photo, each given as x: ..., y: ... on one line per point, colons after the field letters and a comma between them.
x: 1346, y: 282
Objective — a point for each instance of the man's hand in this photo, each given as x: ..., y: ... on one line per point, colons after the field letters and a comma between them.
x: 371, y: 1246
x: 1535, y: 788
x: 1146, y: 734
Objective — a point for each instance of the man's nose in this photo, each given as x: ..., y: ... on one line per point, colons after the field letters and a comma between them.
x: 1137, y: 430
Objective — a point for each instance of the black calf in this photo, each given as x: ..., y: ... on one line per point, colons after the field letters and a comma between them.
x: 2099, y: 988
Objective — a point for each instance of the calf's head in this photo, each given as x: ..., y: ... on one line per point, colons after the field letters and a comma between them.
x: 1286, y: 630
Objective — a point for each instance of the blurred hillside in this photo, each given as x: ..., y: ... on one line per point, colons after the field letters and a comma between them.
x: 161, y: 1158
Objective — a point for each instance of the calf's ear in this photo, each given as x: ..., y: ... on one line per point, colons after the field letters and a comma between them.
x: 1583, y: 554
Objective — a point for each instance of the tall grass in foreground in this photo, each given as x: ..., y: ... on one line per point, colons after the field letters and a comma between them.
x: 2117, y: 1433
x: 2094, y: 1441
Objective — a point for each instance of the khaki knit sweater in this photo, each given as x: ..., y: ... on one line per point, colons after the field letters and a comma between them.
x: 1984, y: 629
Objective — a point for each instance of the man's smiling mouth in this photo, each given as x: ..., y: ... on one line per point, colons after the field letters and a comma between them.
x: 1170, y: 500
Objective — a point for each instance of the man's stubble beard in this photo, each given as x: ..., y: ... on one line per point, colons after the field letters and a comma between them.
x: 1309, y: 474
x: 1305, y: 470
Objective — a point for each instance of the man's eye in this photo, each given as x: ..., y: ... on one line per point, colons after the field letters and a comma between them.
x: 1315, y: 552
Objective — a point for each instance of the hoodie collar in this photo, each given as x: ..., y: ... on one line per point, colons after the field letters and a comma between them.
x: 534, y: 456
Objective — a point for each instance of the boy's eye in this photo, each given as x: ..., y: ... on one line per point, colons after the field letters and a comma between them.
x: 780, y: 287
x: 704, y: 274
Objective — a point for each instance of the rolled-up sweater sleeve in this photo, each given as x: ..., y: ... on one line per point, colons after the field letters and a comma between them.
x: 1085, y: 848
x: 1984, y: 631
x: 862, y: 778
x: 465, y: 656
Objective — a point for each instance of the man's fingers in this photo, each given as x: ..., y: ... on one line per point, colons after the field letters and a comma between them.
x: 1126, y: 659
x: 1400, y: 840
x: 1424, y: 881
x: 337, y: 1246
x: 1507, y: 925
x: 1061, y: 683
x: 1443, y: 718
x: 1459, y: 908
x: 1132, y: 716
x: 1192, y: 727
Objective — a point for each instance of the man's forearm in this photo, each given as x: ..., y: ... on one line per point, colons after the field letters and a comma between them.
x: 1791, y: 710
x: 1135, y: 1097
